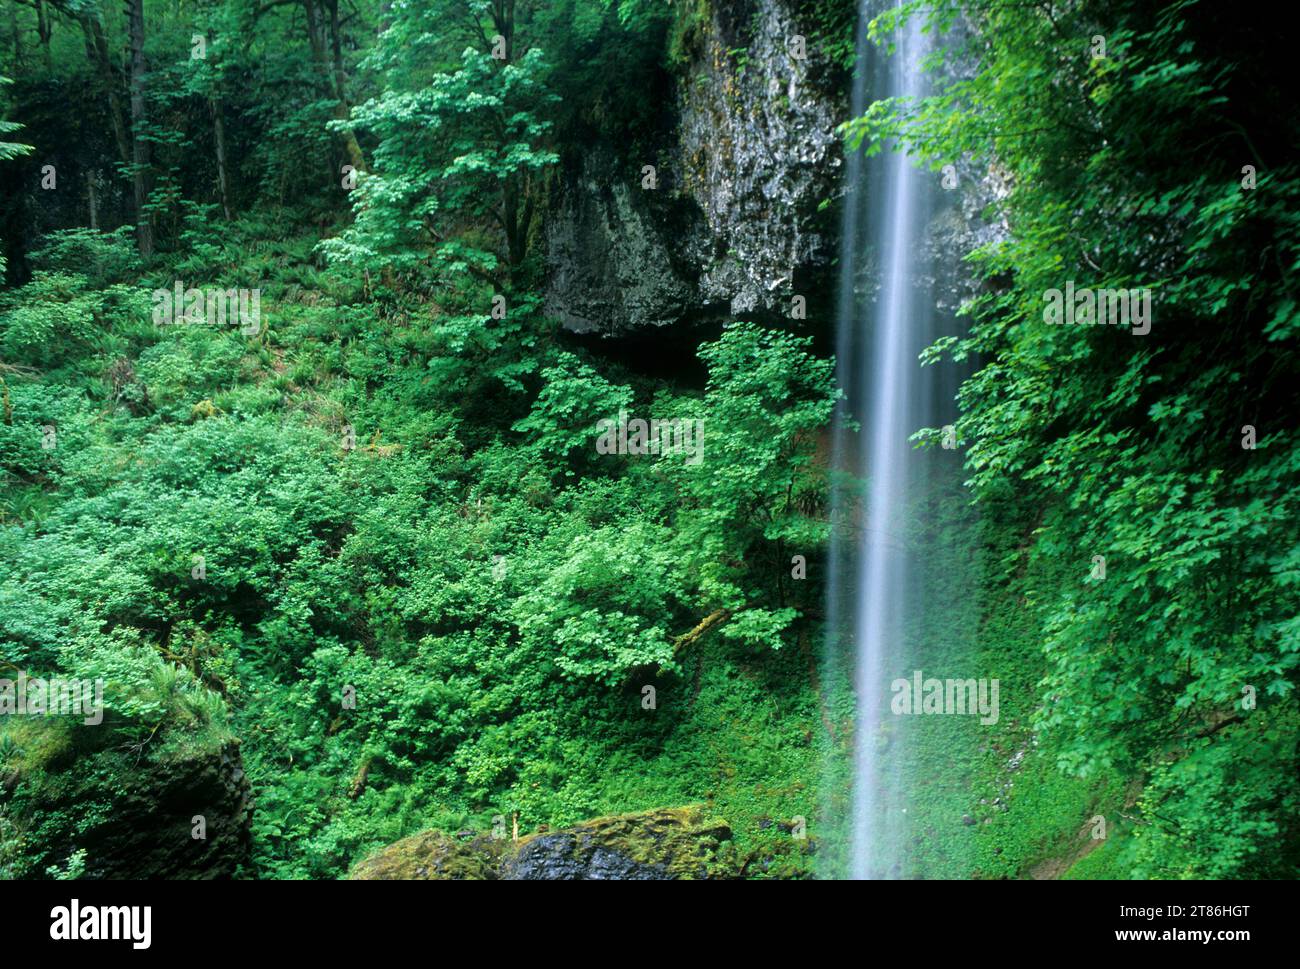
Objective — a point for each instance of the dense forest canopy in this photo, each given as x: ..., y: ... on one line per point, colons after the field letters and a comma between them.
x: 368, y: 535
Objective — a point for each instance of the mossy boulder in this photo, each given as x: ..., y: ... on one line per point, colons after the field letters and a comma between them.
x: 434, y: 856
x: 661, y: 845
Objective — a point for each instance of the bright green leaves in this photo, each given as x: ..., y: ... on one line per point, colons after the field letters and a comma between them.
x: 451, y: 183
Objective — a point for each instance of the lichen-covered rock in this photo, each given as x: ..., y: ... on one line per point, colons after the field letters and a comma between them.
x: 664, y: 845
x: 661, y: 845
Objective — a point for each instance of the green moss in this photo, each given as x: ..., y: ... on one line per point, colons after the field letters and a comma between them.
x: 433, y: 856
x: 31, y: 745
x: 680, y: 841
x: 1112, y: 860
x: 686, y: 38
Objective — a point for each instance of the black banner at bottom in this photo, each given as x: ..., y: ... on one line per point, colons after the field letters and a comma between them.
x: 186, y: 920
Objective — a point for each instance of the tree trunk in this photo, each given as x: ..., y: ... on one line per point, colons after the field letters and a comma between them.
x: 44, y: 30
x: 219, y: 138
x: 343, y: 110
x: 516, y: 191
x: 97, y: 54
x: 139, y: 146
x: 503, y: 19
x: 334, y: 76
x: 91, y: 203
x: 17, y: 36
x: 686, y: 640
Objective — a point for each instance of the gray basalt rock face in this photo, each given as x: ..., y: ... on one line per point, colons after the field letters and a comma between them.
x: 610, y: 256
x: 732, y: 222
x: 760, y: 153
x: 965, y: 220
x: 967, y: 215
x: 734, y: 226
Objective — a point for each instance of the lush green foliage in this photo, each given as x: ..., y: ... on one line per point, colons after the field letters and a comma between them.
x: 495, y: 607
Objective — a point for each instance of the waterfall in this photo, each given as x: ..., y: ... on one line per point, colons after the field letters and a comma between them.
x: 877, y: 611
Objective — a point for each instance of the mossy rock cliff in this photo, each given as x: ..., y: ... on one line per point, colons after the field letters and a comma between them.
x: 661, y: 845
x: 127, y: 816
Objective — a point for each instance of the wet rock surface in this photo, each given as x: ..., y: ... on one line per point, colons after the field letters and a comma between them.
x: 611, y: 257
x: 760, y: 153
x: 733, y: 226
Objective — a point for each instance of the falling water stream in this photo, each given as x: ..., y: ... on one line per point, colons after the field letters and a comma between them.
x: 888, y: 370
x: 885, y: 553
